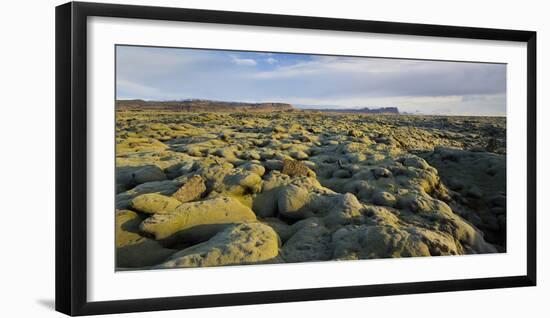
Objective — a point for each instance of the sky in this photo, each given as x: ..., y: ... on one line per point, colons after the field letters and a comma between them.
x: 311, y: 81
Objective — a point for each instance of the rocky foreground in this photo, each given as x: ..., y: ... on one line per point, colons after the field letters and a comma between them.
x: 210, y: 189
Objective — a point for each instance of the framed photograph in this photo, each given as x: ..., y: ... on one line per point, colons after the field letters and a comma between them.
x: 209, y: 158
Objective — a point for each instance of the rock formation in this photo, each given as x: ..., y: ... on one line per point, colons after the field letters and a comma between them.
x: 230, y: 188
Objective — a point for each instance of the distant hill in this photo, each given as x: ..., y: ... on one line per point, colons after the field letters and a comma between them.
x: 199, y: 105
x: 365, y: 110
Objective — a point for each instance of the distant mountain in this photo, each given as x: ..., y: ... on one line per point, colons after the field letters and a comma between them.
x: 364, y: 110
x: 201, y: 105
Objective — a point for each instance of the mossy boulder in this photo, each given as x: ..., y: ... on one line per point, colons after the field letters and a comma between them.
x: 294, y: 201
x: 245, y: 180
x: 340, y: 209
x: 246, y: 243
x: 191, y: 190
x: 265, y: 202
x: 197, y: 221
x: 133, y: 250
x: 167, y: 187
x: 310, y: 242
x: 152, y: 203
x: 299, y: 155
x: 383, y: 198
x: 136, y: 144
x: 416, y: 162
x: 148, y: 174
x: 361, y: 242
x: 254, y: 168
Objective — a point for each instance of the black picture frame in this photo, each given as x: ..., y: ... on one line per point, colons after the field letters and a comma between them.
x: 71, y: 157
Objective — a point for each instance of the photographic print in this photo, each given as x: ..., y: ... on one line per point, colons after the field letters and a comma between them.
x: 228, y: 157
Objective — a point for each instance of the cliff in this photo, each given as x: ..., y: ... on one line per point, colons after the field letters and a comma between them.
x: 195, y: 105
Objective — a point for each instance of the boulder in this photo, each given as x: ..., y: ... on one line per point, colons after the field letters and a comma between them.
x: 311, y: 242
x: 339, y: 209
x: 246, y: 243
x: 133, y: 250
x: 241, y: 183
x: 381, y: 173
x: 148, y: 174
x: 265, y: 202
x: 383, y: 198
x: 197, y: 221
x: 132, y: 144
x: 254, y: 168
x: 299, y: 155
x: 191, y: 190
x: 167, y: 187
x: 363, y: 242
x: 294, y: 202
x: 226, y: 153
x: 245, y: 179
x: 152, y: 203
x: 124, y: 177
x: 416, y: 162
x: 273, y: 165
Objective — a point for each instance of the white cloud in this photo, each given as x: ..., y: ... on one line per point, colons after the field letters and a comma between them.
x: 271, y: 60
x: 327, y: 76
x: 244, y: 62
x: 333, y: 65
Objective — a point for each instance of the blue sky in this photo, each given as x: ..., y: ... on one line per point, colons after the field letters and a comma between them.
x: 311, y: 81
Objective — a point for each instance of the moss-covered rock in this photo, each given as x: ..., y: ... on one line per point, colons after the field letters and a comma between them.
x: 195, y: 221
x: 294, y: 201
x: 361, y: 242
x: 254, y: 168
x: 246, y: 243
x: 133, y: 250
x: 311, y: 242
x: 332, y: 186
x: 191, y: 190
x: 340, y: 209
x: 148, y: 174
x: 383, y: 198
x: 123, y: 200
x: 152, y: 203
x: 134, y: 144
